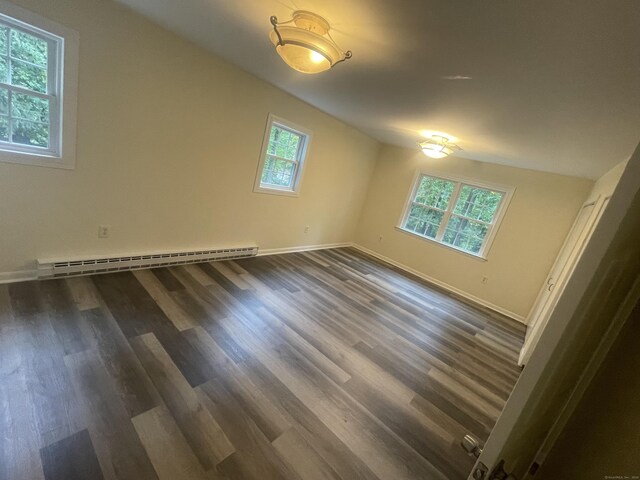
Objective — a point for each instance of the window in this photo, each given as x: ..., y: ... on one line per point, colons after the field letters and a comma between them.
x: 284, y: 149
x: 32, y: 89
x: 460, y: 214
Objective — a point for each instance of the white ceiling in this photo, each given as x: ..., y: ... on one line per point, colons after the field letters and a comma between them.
x: 555, y: 83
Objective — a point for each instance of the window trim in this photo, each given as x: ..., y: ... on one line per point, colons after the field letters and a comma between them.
x: 301, y: 162
x: 448, y: 213
x: 63, y: 74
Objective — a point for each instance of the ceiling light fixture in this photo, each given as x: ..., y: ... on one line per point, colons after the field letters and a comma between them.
x: 306, y: 45
x: 438, y: 146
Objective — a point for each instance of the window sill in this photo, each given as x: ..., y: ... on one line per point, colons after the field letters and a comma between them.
x: 42, y: 160
x: 276, y: 191
x: 450, y: 247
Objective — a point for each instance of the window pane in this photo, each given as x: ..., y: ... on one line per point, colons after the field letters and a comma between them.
x: 278, y: 173
x: 478, y: 203
x: 4, y: 69
x: 4, y: 101
x: 423, y: 221
x: 4, y: 128
x: 283, y: 143
x: 29, y: 48
x: 28, y: 76
x: 30, y: 133
x: 434, y: 192
x: 4, y: 39
x: 465, y: 234
x: 28, y: 107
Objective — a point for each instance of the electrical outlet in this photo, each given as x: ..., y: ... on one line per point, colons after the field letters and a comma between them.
x: 104, y: 231
x: 485, y: 280
x: 306, y: 229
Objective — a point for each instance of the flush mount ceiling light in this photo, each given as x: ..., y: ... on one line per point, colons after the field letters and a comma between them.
x: 304, y: 43
x: 438, y: 146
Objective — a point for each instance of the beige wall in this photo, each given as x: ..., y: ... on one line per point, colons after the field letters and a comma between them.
x: 536, y: 223
x: 168, y: 143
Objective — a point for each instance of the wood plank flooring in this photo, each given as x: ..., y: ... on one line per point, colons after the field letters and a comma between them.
x: 310, y: 366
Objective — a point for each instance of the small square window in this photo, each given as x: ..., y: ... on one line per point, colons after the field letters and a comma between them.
x: 29, y: 97
x: 284, y: 149
x: 38, y: 81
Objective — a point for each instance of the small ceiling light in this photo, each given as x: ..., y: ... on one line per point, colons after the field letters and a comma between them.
x: 438, y: 146
x: 306, y: 46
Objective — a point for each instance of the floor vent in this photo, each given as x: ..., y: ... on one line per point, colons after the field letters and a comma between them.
x: 89, y: 266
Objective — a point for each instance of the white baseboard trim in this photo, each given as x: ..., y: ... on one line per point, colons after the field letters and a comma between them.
x: 445, y: 286
x: 26, y: 275
x: 19, y: 276
x: 304, y: 248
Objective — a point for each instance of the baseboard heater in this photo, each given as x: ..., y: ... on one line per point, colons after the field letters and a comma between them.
x: 89, y: 266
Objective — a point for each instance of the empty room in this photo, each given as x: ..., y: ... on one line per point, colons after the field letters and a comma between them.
x: 319, y: 240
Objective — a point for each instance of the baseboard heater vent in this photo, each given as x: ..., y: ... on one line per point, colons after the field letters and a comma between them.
x: 88, y: 266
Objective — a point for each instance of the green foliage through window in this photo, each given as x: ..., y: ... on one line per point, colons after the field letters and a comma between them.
x: 453, y: 213
x: 477, y: 203
x: 24, y: 110
x: 424, y: 221
x: 434, y: 192
x: 283, y: 143
x: 282, y: 160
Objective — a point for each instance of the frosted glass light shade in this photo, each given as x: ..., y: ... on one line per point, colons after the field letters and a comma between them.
x: 436, y: 151
x: 303, y: 59
x: 306, y: 46
x: 437, y: 147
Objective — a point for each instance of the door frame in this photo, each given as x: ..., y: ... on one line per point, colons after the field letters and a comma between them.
x: 535, y: 326
x: 525, y: 400
x: 599, y: 355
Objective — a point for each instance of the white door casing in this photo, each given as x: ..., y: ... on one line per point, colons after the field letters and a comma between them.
x: 558, y: 362
x: 562, y: 269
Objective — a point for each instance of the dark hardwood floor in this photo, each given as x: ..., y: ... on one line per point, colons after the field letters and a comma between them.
x: 319, y: 365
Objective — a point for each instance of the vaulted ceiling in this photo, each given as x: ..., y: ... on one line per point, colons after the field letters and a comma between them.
x: 555, y: 84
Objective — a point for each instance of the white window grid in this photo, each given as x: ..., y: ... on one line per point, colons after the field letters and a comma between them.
x: 283, y: 174
x: 448, y: 214
x: 422, y: 208
x: 282, y: 168
x: 52, y: 95
x: 475, y: 220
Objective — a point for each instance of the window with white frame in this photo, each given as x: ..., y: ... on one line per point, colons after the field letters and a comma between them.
x: 282, y: 159
x: 32, y: 89
x: 460, y: 214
